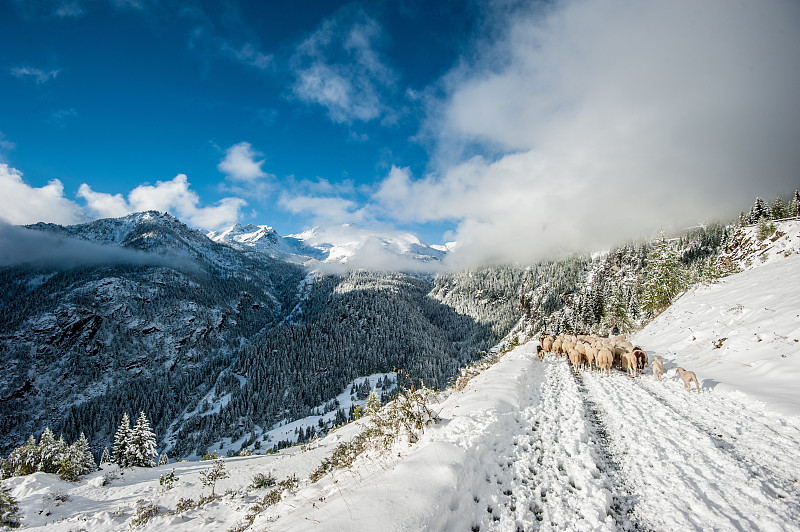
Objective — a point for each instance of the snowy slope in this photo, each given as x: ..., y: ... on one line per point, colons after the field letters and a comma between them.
x: 740, y: 334
x: 527, y: 445
x: 345, y: 244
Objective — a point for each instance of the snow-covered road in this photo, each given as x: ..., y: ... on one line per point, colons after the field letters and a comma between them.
x: 615, y: 453
x: 526, y: 446
x: 529, y: 446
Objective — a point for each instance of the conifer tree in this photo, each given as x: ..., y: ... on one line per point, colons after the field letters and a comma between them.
x: 665, y: 277
x: 779, y: 209
x: 50, y: 452
x: 83, y: 454
x: 121, y: 439
x: 141, y: 448
x: 163, y: 460
x: 373, y: 403
x: 24, y: 460
x: 105, y: 458
x: 760, y: 209
x: 9, y: 508
x: 794, y: 205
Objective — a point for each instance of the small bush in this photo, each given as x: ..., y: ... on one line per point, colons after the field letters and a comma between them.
x: 210, y: 456
x: 184, y: 505
x: 58, y: 497
x: 245, y: 452
x: 145, y: 512
x: 167, y: 482
x: 261, y: 481
x: 109, y: 477
x: 765, y: 229
x: 270, y: 499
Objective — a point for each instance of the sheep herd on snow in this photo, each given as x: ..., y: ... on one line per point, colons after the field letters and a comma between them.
x: 596, y: 353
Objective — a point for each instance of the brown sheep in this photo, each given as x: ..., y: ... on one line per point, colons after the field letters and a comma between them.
x: 540, y: 352
x: 687, y: 377
x: 629, y: 362
x: 641, y: 358
x: 658, y: 368
x: 618, y: 351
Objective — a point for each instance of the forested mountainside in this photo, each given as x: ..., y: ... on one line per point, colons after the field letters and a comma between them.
x: 82, y: 342
x: 209, y: 340
x: 345, y: 326
x: 216, y: 342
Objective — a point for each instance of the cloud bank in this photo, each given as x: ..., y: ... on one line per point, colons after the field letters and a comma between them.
x: 172, y: 196
x: 23, y: 246
x: 23, y: 204
x: 605, y: 120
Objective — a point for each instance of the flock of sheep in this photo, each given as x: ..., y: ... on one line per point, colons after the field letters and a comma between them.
x: 590, y: 352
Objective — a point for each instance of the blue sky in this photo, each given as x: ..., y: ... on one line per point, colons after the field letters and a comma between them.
x: 503, y: 125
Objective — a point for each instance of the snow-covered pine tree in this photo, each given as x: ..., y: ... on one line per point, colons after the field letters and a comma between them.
x: 9, y: 509
x: 163, y: 460
x: 24, y: 460
x: 105, y: 458
x: 121, y: 439
x: 794, y: 205
x: 779, y: 209
x: 50, y: 452
x: 743, y: 218
x: 664, y: 277
x: 373, y: 403
x: 760, y: 209
x: 141, y: 449
x: 83, y: 454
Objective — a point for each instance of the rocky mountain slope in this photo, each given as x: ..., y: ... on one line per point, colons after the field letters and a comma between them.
x: 213, y: 340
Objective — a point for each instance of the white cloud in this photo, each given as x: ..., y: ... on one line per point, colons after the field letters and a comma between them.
x: 69, y: 10
x: 607, y: 121
x: 5, y: 145
x: 247, y: 53
x: 22, y: 204
x: 338, y: 68
x: 172, y: 196
x: 323, y: 210
x: 242, y: 166
x: 61, y: 116
x: 240, y: 163
x: 37, y: 74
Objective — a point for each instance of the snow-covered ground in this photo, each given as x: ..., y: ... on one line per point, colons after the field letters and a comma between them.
x: 742, y: 333
x: 529, y: 445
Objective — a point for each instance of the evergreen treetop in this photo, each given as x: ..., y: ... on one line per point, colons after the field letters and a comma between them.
x: 121, y: 439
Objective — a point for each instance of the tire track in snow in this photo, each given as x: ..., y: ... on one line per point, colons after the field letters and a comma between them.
x: 684, y: 480
x: 765, y: 443
x: 623, y: 509
x: 548, y: 478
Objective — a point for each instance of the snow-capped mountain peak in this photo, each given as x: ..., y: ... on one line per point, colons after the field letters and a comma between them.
x: 347, y: 244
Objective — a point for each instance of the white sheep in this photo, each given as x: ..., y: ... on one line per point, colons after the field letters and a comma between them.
x: 658, y: 368
x: 687, y: 377
x: 604, y: 360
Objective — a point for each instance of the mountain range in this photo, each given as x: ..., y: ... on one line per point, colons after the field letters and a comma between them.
x: 213, y: 336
